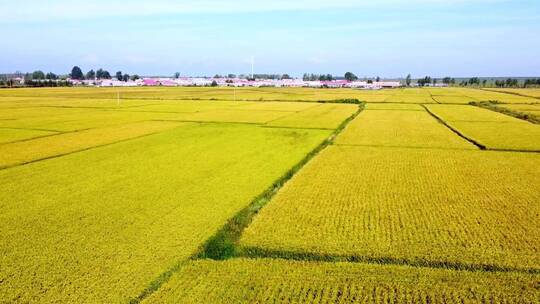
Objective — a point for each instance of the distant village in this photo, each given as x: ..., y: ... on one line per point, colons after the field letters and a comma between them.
x: 237, y: 82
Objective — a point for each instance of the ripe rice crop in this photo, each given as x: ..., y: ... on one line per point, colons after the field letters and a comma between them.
x: 99, y: 225
x: 59, y: 144
x: 184, y: 93
x: 484, y: 95
x: 12, y: 135
x: 462, y: 209
x: 525, y: 92
x: 400, y: 128
x: 90, y: 119
x: 394, y: 106
x: 491, y: 129
x: 469, y: 113
x: 281, y: 281
x: 324, y: 116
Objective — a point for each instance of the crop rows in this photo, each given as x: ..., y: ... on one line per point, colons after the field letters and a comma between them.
x: 99, y: 225
x: 281, y: 281
x: 491, y: 129
x: 423, y: 207
x: 400, y: 128
x: 118, y: 199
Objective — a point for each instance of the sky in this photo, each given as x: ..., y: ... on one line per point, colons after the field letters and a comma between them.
x: 386, y: 38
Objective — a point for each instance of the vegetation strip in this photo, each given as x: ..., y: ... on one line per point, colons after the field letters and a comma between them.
x: 258, y: 253
x: 492, y: 105
x: 474, y: 142
x: 224, y: 244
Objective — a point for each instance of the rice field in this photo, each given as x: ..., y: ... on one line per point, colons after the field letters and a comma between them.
x: 301, y: 197
x: 524, y: 92
x: 421, y: 206
x: 400, y: 128
x: 269, y: 280
x: 493, y: 130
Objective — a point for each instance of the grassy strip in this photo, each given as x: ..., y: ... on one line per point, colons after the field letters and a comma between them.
x: 224, y: 244
x: 492, y: 105
x: 257, y: 253
x: 474, y: 142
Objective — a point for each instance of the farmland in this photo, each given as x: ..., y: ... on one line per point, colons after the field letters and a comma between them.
x: 302, y: 195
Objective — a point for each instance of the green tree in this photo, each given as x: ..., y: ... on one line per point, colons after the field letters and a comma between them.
x: 349, y: 76
x: 119, y: 75
x: 285, y: 76
x: 76, y: 73
x: 177, y: 75
x: 38, y: 75
x: 134, y: 77
x: 378, y: 79
x: 103, y: 74
x: 91, y: 74
x: 214, y: 84
x: 125, y: 77
x: 51, y: 76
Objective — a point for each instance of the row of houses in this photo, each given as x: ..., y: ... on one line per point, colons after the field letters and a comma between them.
x: 237, y: 82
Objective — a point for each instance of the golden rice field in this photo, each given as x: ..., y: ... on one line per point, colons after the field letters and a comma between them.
x: 400, y: 128
x: 525, y: 92
x: 417, y: 206
x: 265, y: 195
x: 282, y: 281
x: 491, y: 129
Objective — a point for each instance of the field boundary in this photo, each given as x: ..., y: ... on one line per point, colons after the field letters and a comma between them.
x: 493, y: 106
x: 439, y: 119
x: 256, y: 253
x: 224, y: 244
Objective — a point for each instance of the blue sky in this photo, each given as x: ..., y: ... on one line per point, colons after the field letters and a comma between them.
x: 388, y: 38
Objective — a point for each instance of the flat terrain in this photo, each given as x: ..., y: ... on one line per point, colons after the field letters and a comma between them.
x: 250, y: 195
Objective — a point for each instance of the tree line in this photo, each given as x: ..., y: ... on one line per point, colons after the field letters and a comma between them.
x: 77, y: 74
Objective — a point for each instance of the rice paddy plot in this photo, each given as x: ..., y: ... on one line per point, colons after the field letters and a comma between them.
x: 446, y: 99
x: 324, y: 116
x: 78, y: 102
x: 491, y: 129
x: 99, y: 225
x: 531, y: 92
x: 469, y: 113
x: 439, y: 208
x: 281, y: 281
x: 233, y: 116
x: 185, y: 93
x: 484, y: 95
x: 12, y: 135
x: 185, y: 106
x: 69, y: 122
x: 64, y: 143
x: 277, y: 106
x: 392, y: 128
x: 393, y: 106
